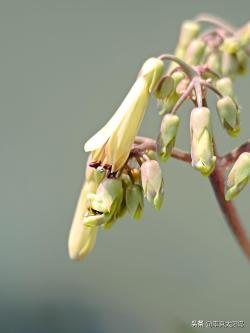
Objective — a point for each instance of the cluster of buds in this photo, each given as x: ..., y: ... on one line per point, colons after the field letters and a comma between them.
x: 222, y: 48
x: 102, y: 203
x: 123, y: 169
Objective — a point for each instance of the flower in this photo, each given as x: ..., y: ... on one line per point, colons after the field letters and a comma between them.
x: 238, y: 176
x: 202, y: 153
x: 112, y: 144
x: 82, y: 238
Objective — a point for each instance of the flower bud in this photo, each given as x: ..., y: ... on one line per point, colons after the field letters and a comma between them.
x: 105, y: 203
x: 245, y: 35
x: 202, y: 153
x: 229, y: 115
x: 134, y: 200
x: 167, y: 137
x: 152, y: 183
x: 238, y: 176
x: 214, y: 62
x: 195, y: 52
x: 242, y: 59
x: 152, y: 71
x: 225, y: 86
x: 189, y: 31
x: 165, y: 87
x: 231, y: 45
x: 168, y: 103
x: 229, y: 64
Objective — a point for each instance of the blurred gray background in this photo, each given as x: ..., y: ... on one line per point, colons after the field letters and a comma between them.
x: 65, y: 67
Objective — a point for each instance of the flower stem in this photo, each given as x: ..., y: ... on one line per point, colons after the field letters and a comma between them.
x: 228, y: 209
x: 229, y: 158
x: 216, y: 21
x: 191, y: 73
x: 217, y: 182
x: 143, y: 143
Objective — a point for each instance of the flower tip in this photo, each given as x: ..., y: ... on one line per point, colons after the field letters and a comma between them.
x: 152, y: 71
x: 81, y: 244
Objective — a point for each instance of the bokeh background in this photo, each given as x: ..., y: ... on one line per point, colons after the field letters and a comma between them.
x: 65, y: 67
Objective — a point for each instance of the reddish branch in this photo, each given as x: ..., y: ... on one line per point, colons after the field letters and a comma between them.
x: 228, y: 209
x: 234, y: 154
x: 217, y: 182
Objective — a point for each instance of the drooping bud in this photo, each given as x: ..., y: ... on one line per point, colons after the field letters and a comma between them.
x: 229, y: 115
x: 225, y: 86
x: 152, y: 183
x: 189, y: 31
x: 134, y: 200
x: 229, y: 64
x: 242, y: 59
x: 168, y: 103
x: 166, y: 106
x: 244, y: 35
x: 165, y: 87
x: 238, y: 176
x: 195, y: 52
x: 105, y: 203
x: 202, y: 153
x: 231, y: 45
x: 214, y: 62
x: 152, y: 71
x: 167, y: 137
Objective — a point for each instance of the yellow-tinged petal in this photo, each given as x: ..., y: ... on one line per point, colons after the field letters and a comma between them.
x: 102, y: 136
x: 82, y: 238
x: 118, y: 146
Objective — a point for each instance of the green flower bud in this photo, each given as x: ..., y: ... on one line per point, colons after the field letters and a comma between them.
x: 189, y: 31
x: 165, y: 87
x: 152, y: 183
x: 105, y: 203
x: 152, y: 70
x: 167, y: 137
x: 202, y: 153
x: 244, y: 35
x: 225, y: 86
x: 231, y: 45
x: 134, y: 200
x: 195, y: 52
x: 229, y: 64
x: 229, y: 115
x: 214, y: 61
x: 238, y: 176
x: 242, y: 59
x: 168, y: 103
